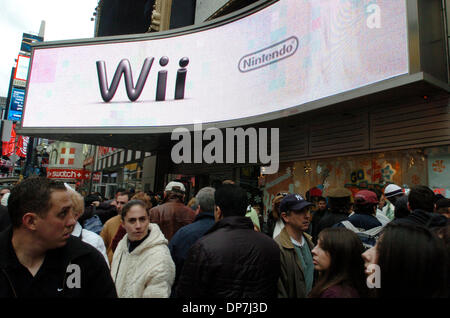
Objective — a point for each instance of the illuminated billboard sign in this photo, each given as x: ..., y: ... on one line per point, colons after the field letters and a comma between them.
x: 21, y: 73
x: 16, y: 104
x: 285, y: 55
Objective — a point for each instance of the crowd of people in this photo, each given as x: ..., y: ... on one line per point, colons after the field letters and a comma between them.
x: 384, y: 244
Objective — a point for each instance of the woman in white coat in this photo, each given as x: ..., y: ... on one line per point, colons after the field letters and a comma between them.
x: 142, y: 266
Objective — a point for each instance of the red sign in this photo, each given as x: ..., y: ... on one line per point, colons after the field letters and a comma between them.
x: 22, y: 146
x: 65, y: 173
x: 9, y: 146
x: 97, y: 176
x: 78, y: 174
x: 440, y: 191
x: 87, y: 176
x: 68, y: 154
x: 103, y: 151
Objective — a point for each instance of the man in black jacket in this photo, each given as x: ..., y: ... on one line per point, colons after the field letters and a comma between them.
x: 38, y: 255
x: 231, y: 260
x: 421, y: 203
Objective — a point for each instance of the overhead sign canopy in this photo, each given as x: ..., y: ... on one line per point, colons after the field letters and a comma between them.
x: 281, y: 57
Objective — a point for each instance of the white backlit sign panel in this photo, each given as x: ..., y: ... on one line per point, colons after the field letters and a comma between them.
x: 21, y: 73
x: 288, y: 54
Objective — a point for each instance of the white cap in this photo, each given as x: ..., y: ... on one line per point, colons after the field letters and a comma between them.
x: 391, y: 190
x: 175, y: 186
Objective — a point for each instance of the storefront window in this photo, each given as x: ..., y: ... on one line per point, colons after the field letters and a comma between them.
x: 406, y: 168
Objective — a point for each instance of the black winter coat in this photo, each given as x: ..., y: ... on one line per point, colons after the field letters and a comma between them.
x: 423, y: 218
x: 74, y: 270
x: 5, y: 220
x: 231, y: 261
x: 329, y: 219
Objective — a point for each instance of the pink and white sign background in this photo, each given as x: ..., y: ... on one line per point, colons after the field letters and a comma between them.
x: 337, y: 52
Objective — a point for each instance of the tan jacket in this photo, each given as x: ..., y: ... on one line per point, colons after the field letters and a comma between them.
x: 292, y: 281
x: 108, y: 232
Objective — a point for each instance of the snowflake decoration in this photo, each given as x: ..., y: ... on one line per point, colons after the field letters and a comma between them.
x: 319, y: 169
x: 257, y: 199
x: 326, y: 184
x: 387, y: 172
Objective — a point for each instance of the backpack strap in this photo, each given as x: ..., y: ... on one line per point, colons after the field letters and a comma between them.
x: 350, y: 226
x: 374, y: 231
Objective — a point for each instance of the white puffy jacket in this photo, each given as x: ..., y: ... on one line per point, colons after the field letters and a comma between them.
x: 148, y: 271
x: 91, y: 238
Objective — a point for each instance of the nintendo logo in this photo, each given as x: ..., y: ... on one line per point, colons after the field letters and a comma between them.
x: 269, y: 55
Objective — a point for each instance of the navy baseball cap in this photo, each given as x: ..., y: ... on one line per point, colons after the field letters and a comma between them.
x: 293, y: 202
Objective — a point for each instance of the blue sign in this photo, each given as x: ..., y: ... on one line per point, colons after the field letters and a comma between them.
x: 16, y: 104
x: 27, y: 40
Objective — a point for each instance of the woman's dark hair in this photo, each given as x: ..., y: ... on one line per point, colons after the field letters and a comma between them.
x: 421, y: 197
x: 368, y: 208
x: 346, y: 264
x: 131, y: 204
x: 413, y: 263
x: 401, y: 207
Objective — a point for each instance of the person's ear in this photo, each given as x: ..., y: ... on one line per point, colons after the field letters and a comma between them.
x: 284, y: 216
x: 217, y: 213
x: 29, y: 220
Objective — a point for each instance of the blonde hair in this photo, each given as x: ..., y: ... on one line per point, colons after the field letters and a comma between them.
x: 276, y: 206
x: 144, y: 197
x: 193, y: 203
x: 77, y: 202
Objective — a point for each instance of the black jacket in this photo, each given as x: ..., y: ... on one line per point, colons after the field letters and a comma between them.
x: 361, y: 221
x: 74, y: 270
x: 315, y: 221
x: 5, y: 220
x: 231, y: 261
x: 185, y: 237
x: 423, y: 218
x: 330, y: 218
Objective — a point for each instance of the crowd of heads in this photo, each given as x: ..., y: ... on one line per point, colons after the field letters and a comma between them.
x: 413, y: 260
